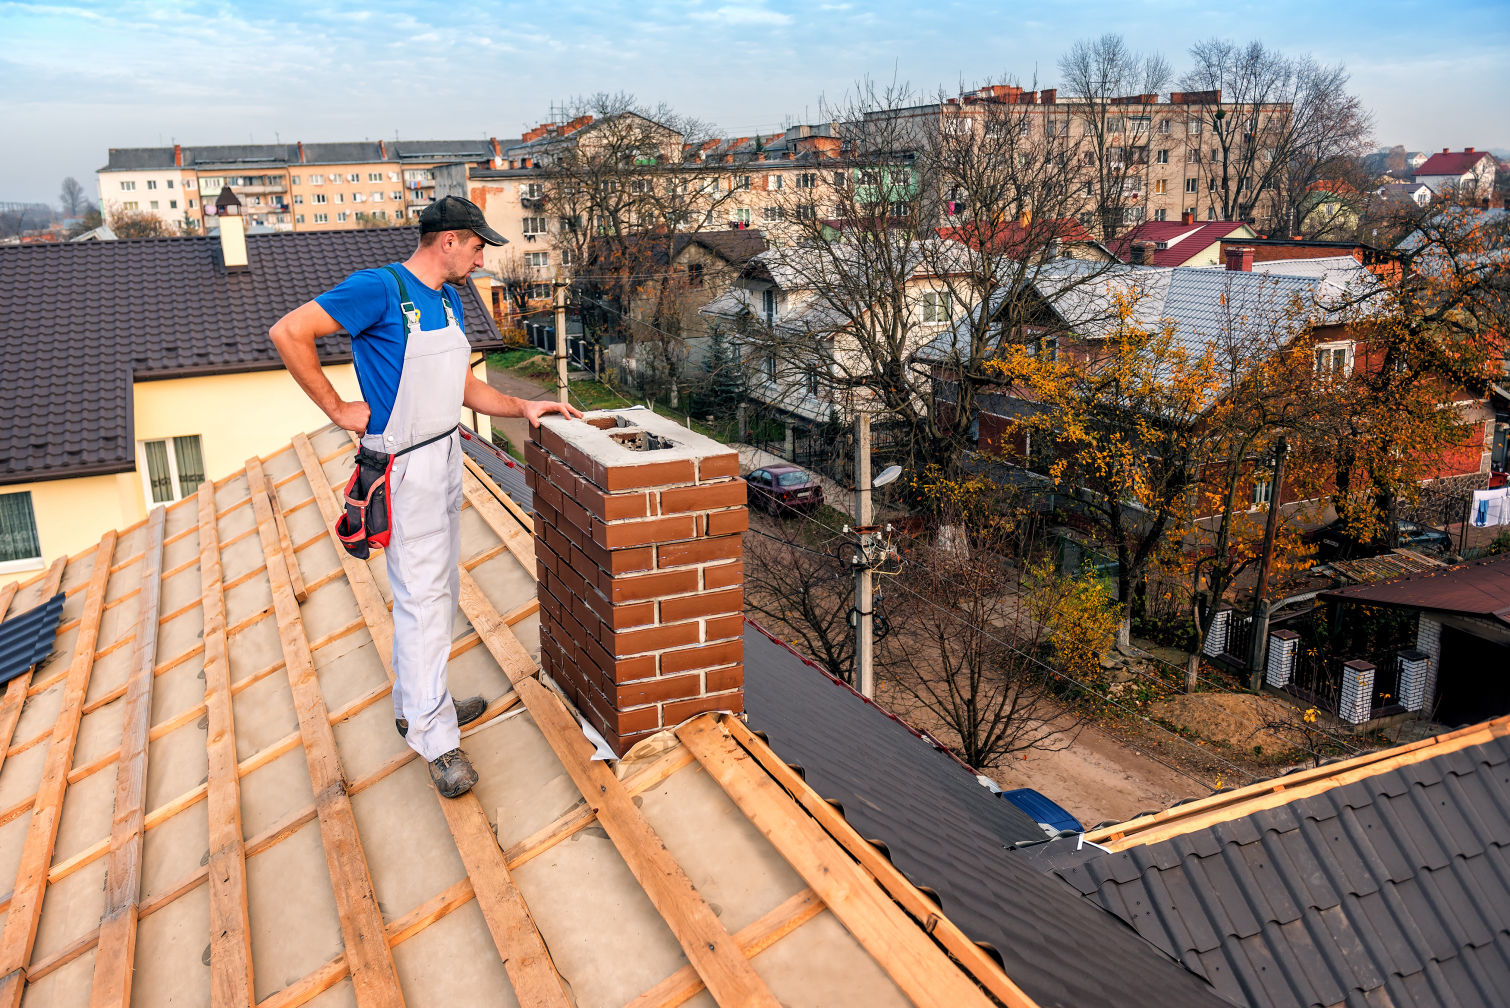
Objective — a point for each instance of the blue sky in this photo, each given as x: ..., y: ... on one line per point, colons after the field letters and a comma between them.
x: 80, y: 78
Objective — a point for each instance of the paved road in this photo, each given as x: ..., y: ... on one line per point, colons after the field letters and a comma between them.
x: 516, y: 429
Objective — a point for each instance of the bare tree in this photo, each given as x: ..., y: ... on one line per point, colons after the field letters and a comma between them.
x: 1269, y: 125
x: 71, y: 197
x: 1114, y: 93
x: 798, y: 585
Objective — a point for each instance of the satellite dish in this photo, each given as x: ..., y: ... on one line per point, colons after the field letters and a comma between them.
x: 888, y: 475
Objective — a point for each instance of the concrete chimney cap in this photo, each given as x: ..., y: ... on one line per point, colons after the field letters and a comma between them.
x: 632, y: 436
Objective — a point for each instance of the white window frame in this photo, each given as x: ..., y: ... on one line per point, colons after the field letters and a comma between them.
x: 1346, y: 346
x: 146, y: 471
x: 25, y: 563
x: 937, y: 307
x: 1263, y: 490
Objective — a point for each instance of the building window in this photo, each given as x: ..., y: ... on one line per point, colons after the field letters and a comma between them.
x: 565, y: 257
x: 768, y: 305
x: 299, y: 199
x: 19, y: 545
x: 175, y: 468
x: 298, y: 218
x: 770, y: 213
x: 152, y: 205
x: 172, y: 204
x: 191, y: 204
x: 807, y: 180
x: 938, y: 308
x: 317, y: 180
x: 1163, y: 157
x: 340, y: 197
x: 774, y: 181
x: 1159, y: 213
x: 318, y: 197
x: 393, y: 176
x: 357, y: 197
x: 396, y: 195
x: 807, y: 212
x: 695, y: 275
x: 294, y: 179
x: 374, y: 176
x: 354, y: 177
x: 1193, y: 127
x: 322, y: 218
x: 1263, y: 490
x: 152, y: 183
x: 534, y: 225
x: 1046, y: 347
x: 130, y: 205
x: 1334, y: 360
x: 770, y: 367
x: 170, y: 183
x: 128, y: 187
x: 341, y: 217
x: 1211, y: 213
x: 1164, y: 126
x: 742, y: 216
x: 1191, y: 185
x: 537, y: 258
x: 742, y: 182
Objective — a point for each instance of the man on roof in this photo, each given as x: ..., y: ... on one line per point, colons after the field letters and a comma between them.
x: 411, y: 355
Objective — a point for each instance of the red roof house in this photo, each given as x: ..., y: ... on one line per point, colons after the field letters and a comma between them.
x: 1185, y: 242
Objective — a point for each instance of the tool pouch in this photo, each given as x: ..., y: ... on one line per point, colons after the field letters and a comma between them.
x: 367, y: 522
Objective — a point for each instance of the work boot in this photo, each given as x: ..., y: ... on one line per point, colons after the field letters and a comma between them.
x: 467, y: 711
x: 452, y: 773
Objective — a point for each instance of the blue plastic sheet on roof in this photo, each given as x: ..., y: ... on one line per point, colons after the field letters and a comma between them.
x: 27, y: 638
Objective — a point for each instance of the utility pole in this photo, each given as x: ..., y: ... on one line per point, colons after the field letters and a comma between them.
x: 865, y: 680
x: 558, y: 298
x: 1258, y: 645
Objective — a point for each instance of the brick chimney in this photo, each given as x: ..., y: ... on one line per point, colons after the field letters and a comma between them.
x: 1187, y: 217
x: 300, y: 145
x: 178, y: 156
x: 1141, y: 253
x: 639, y: 555
x: 1048, y: 96
x: 1467, y: 150
x: 1240, y: 259
x: 382, y: 150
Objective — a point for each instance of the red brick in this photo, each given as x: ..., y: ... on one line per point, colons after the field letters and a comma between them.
x: 631, y: 588
x: 623, y: 743
x: 724, y: 627
x: 725, y: 522
x: 723, y: 575
x: 677, y: 712
x: 620, y: 561
x: 704, y: 497
x: 644, y: 533
x: 719, y: 680
x: 620, y: 617
x: 644, y: 475
x: 704, y: 656
x: 708, y: 603
x: 611, y: 507
x: 659, y: 690
x: 534, y: 456
x: 576, y: 514
x: 550, y: 441
x: 656, y: 638
x: 715, y: 466
x: 696, y: 551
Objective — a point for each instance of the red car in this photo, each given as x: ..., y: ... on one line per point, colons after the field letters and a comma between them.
x: 778, y: 487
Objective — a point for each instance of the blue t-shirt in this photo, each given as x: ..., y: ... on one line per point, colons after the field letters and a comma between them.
x: 366, y: 306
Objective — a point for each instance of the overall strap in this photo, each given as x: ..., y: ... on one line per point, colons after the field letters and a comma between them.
x: 445, y: 301
x: 405, y: 306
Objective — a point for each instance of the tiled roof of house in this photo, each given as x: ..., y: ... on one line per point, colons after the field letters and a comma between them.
x: 1382, y: 880
x: 1175, y: 243
x: 81, y: 321
x: 1014, y: 237
x: 950, y: 835
x: 205, y: 801
x: 1453, y: 162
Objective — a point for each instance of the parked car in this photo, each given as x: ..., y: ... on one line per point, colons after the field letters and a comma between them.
x: 778, y: 487
x: 1332, y: 543
x: 1043, y: 810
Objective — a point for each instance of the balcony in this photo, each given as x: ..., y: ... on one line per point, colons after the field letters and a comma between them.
x: 260, y: 190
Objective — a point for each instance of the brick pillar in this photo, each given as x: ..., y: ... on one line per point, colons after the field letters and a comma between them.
x: 1357, y: 700
x: 1216, y: 637
x: 1429, y: 640
x: 638, y: 549
x: 1414, y: 667
x: 1281, y: 665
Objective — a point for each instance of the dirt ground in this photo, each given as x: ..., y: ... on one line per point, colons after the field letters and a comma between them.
x: 1233, y: 718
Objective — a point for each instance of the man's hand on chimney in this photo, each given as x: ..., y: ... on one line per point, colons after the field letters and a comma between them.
x: 534, y: 409
x: 352, y: 416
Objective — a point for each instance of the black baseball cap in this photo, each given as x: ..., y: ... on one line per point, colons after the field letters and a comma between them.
x: 452, y: 213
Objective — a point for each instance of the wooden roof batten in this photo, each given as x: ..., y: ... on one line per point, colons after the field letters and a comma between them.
x: 245, y: 579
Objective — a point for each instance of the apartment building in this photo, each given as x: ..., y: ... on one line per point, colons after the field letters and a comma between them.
x: 286, y: 187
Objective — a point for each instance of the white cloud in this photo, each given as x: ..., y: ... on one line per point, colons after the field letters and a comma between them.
x: 743, y: 14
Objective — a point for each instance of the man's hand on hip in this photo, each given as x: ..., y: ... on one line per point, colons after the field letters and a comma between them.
x: 534, y: 409
x: 352, y: 416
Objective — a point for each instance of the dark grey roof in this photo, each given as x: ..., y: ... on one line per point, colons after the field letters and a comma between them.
x: 465, y: 150
x: 79, y: 321
x: 358, y: 152
x: 504, y: 471
x: 27, y: 638
x: 946, y: 832
x: 1392, y: 890
x: 138, y: 158
x: 231, y: 156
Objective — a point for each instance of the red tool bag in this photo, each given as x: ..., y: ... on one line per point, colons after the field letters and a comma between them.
x: 367, y: 523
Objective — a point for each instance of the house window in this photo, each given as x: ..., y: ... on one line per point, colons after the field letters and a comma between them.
x: 938, y: 308
x: 172, y: 204
x: 1194, y: 127
x: 1192, y: 155
x: 695, y: 275
x: 1163, y: 157
x: 354, y: 177
x: 1158, y: 187
x: 566, y: 257
x: 807, y: 180
x: 318, y: 197
x: 322, y: 218
x: 152, y: 183
x: 131, y: 205
x: 128, y: 187
x: 807, y: 212
x: 191, y: 204
x: 342, y: 216
x: 340, y: 197
x: 397, y: 194
x: 534, y: 225
x: 1334, y: 360
x: 742, y: 182
x: 1164, y: 126
x: 1263, y: 490
x: 374, y: 176
x: 773, y: 181
x: 1211, y: 213
x: 298, y: 199
x: 537, y: 258
x: 317, y: 180
x: 770, y: 366
x: 298, y: 218
x: 170, y: 183
x: 19, y: 546
x: 152, y: 205
x: 1159, y: 214
x: 174, y: 469
x: 768, y: 304
x: 742, y: 216
x: 770, y: 213
x: 1191, y: 185
x: 899, y: 208
x: 1046, y: 347
x: 294, y: 179
x: 357, y: 197
x: 377, y: 197
x: 531, y: 190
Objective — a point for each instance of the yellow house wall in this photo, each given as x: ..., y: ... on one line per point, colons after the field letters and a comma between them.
x: 72, y: 514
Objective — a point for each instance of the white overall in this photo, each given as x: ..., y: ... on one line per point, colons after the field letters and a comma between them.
x: 425, y: 494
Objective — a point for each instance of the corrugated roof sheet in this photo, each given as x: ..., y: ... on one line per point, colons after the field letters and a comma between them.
x: 82, y: 320
x: 949, y: 834
x: 27, y: 638
x: 502, y: 470
x: 1391, y: 890
x: 1480, y: 588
